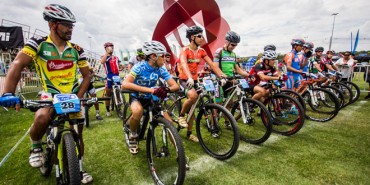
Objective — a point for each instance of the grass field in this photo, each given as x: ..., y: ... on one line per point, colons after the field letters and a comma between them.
x: 335, y: 152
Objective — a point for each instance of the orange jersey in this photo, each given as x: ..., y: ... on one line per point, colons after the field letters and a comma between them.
x: 193, y: 58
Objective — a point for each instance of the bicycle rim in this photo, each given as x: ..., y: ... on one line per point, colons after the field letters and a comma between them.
x: 256, y: 126
x: 218, y: 139
x: 165, y: 153
x: 287, y: 114
x: 323, y: 105
x: 355, y: 90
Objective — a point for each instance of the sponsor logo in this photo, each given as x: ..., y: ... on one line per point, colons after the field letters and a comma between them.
x: 194, y: 60
x: 54, y: 65
x: 63, y: 84
x: 53, y: 54
x: 228, y: 58
x: 68, y: 75
x: 68, y: 55
x: 47, y: 53
x: 5, y: 36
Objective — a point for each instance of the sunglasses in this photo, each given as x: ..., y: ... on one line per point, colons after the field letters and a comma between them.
x: 67, y: 24
x: 346, y: 55
x: 318, y: 51
x: 199, y: 36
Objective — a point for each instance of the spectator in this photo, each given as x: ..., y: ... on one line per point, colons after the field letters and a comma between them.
x: 345, y: 66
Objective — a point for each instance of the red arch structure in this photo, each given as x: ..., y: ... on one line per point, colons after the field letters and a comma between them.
x: 188, y: 12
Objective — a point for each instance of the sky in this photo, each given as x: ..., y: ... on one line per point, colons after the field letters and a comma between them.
x: 129, y: 23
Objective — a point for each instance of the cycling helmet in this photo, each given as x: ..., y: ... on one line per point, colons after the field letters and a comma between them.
x: 167, y: 54
x: 269, y: 47
x: 297, y: 42
x: 139, y: 51
x: 193, y: 30
x: 269, y: 54
x: 108, y: 44
x: 319, y: 49
x: 59, y: 13
x: 153, y: 47
x: 330, y: 51
x: 232, y: 37
x: 308, y: 45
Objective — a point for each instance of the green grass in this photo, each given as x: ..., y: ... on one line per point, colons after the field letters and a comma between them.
x: 335, y: 152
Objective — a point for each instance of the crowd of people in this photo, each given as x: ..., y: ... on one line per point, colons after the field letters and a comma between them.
x: 151, y: 62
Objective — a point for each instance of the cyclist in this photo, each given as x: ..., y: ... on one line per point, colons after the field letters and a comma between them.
x: 111, y: 66
x: 56, y: 60
x: 314, y: 61
x: 307, y: 53
x: 92, y: 92
x: 190, y: 57
x: 226, y: 59
x: 327, y: 62
x: 167, y: 63
x: 136, y: 59
x: 143, y: 78
x: 293, y: 61
x: 264, y: 71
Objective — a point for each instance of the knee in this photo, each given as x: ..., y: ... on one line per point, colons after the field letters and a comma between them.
x: 137, y: 112
x: 192, y: 95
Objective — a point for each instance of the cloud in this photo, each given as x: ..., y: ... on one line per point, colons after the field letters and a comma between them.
x: 129, y: 23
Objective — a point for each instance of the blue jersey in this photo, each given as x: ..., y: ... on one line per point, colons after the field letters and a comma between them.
x: 147, y: 76
x: 296, y: 59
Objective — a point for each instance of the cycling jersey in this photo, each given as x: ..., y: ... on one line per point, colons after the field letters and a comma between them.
x: 261, y: 69
x: 301, y: 55
x: 227, y: 61
x: 295, y: 59
x: 147, y: 76
x: 57, y: 70
x: 323, y: 63
x: 193, y: 58
x: 111, y: 65
x: 311, y: 64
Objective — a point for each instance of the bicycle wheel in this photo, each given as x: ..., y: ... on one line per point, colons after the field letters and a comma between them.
x: 323, y: 105
x: 347, y: 92
x: 287, y: 114
x: 255, y: 127
x: 173, y: 109
x: 47, y: 165
x: 218, y: 136
x: 295, y: 95
x: 119, y: 104
x: 355, y: 90
x: 71, y: 167
x: 165, y: 153
x: 338, y: 94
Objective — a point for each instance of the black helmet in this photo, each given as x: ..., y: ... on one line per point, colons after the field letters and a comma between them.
x: 193, y: 30
x: 319, y: 49
x: 139, y: 52
x: 167, y: 54
x: 232, y: 37
x: 269, y: 47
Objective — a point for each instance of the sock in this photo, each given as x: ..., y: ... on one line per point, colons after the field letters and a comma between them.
x: 188, y: 133
x: 97, y: 112
x: 182, y: 115
x: 107, y: 107
x: 36, y: 144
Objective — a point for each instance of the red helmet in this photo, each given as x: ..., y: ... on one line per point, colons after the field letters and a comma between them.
x: 108, y: 44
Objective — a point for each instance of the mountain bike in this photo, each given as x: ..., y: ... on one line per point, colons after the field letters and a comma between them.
x: 62, y: 147
x: 118, y: 100
x: 164, y: 149
x: 218, y: 136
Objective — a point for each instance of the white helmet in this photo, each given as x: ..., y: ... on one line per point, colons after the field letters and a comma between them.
x: 59, y: 13
x: 269, y: 54
x: 153, y: 47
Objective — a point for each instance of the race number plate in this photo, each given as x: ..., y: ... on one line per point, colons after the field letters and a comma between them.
x: 208, y: 84
x: 116, y: 79
x: 244, y: 83
x: 66, y: 103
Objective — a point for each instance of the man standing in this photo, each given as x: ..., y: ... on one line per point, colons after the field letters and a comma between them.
x: 57, y: 62
x: 111, y: 66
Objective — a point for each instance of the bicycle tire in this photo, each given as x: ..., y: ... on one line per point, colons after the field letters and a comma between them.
x: 315, y: 110
x: 296, y: 96
x: 71, y: 172
x: 250, y: 132
x: 287, y: 115
x: 347, y: 92
x: 162, y: 158
x: 214, y: 146
x: 174, y: 109
x: 337, y: 93
x: 119, y: 104
x: 355, y: 90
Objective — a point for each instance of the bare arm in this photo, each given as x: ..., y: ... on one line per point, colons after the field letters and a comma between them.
x: 173, y: 85
x: 240, y: 71
x: 14, y: 74
x: 265, y: 77
x: 86, y: 76
x: 214, y: 67
x: 184, y: 65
